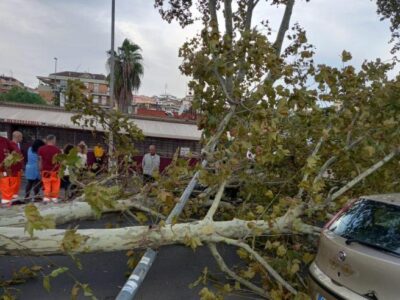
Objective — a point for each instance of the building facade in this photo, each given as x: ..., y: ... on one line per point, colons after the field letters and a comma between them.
x: 7, y: 83
x: 54, y: 86
x: 36, y: 121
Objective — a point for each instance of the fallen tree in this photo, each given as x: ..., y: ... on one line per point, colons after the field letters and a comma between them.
x: 73, y: 211
x: 296, y: 139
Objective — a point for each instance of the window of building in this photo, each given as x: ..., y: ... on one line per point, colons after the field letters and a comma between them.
x: 96, y: 88
x: 95, y: 99
x: 104, y: 100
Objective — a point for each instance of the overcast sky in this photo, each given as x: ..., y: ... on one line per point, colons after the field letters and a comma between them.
x: 77, y: 32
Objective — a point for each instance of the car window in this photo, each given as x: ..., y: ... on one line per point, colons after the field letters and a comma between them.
x: 371, y: 222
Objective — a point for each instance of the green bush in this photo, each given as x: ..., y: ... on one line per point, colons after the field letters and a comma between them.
x: 20, y: 95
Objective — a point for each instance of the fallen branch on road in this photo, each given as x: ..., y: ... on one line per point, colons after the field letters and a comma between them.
x: 71, y: 211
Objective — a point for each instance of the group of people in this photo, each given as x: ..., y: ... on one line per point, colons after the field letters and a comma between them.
x: 40, y: 168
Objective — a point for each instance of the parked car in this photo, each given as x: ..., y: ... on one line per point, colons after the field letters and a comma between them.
x: 359, y: 252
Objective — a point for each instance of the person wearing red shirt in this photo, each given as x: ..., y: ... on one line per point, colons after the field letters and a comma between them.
x: 6, y: 188
x: 49, y: 169
x: 16, y: 168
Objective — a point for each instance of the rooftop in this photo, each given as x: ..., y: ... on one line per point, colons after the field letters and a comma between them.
x: 50, y: 116
x: 8, y: 78
x: 80, y: 75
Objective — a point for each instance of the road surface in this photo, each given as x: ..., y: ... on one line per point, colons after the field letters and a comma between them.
x: 175, y: 268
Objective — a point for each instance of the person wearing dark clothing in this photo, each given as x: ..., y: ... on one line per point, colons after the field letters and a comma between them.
x: 32, y: 172
x: 49, y: 169
x: 65, y: 182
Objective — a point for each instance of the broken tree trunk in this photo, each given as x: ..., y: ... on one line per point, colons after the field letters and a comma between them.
x: 15, y: 241
x: 75, y: 210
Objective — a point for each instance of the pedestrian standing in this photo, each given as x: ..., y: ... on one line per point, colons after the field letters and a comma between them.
x: 32, y: 172
x: 6, y: 188
x: 49, y: 169
x: 65, y: 182
x: 150, y: 164
x: 82, y: 153
x: 17, y: 168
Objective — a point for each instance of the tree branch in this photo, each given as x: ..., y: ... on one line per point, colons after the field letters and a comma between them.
x: 284, y: 26
x: 247, y: 27
x: 212, y: 143
x: 314, y: 153
x: 353, y: 121
x: 212, y: 6
x: 16, y: 241
x: 278, y: 42
x: 360, y: 177
x: 224, y: 268
x: 334, y: 158
x: 262, y: 262
x: 75, y: 210
x: 249, y: 14
x: 228, y: 40
x: 216, y: 202
x: 224, y: 86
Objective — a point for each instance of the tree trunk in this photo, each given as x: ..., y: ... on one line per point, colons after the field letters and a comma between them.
x: 67, y: 212
x: 15, y: 241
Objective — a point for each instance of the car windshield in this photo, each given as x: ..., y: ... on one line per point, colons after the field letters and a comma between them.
x: 371, y: 223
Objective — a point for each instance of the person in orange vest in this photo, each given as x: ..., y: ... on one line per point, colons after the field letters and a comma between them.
x: 49, y: 169
x: 6, y: 188
x: 16, y: 168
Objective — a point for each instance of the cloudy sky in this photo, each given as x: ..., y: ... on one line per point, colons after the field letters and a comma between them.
x: 77, y: 32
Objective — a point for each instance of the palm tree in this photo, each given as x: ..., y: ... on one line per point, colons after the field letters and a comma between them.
x: 128, y: 70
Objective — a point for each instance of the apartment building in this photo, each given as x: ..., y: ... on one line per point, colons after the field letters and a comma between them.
x: 53, y: 87
x: 8, y: 82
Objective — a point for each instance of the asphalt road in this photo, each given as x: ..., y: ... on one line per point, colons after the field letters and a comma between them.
x: 175, y: 268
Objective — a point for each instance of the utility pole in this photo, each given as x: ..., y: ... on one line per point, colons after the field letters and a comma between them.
x: 112, y: 78
x: 57, y: 93
x: 55, y: 64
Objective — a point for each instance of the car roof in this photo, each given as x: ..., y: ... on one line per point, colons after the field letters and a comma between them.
x: 387, y: 198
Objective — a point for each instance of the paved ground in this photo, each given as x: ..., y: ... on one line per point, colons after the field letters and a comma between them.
x: 169, y: 278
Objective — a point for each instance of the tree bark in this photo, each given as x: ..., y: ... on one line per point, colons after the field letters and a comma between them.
x: 224, y: 268
x: 64, y: 213
x: 284, y: 26
x: 15, y: 241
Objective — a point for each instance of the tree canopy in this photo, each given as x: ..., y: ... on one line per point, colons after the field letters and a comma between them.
x: 21, y: 95
x: 286, y: 143
x: 128, y: 70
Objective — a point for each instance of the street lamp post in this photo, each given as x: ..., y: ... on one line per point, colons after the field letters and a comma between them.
x: 112, y: 79
x: 55, y: 88
x: 55, y: 64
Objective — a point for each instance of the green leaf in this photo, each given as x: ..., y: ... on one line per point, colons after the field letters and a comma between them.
x: 346, y: 56
x: 141, y: 217
x: 192, y: 241
x: 46, y: 283
x: 34, y: 221
x: 100, y: 197
x: 281, y: 250
x: 58, y: 272
x: 53, y: 274
x: 87, y: 291
x: 75, y: 291
x: 72, y: 240
x: 294, y: 269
